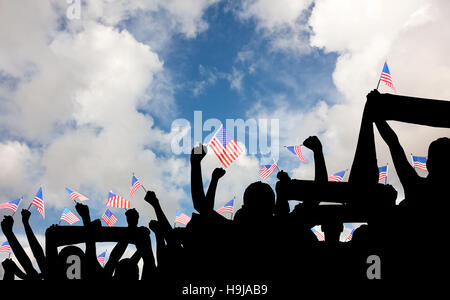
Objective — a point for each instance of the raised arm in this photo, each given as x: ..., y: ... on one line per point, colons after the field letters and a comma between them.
x: 405, y: 171
x: 22, y: 257
x: 208, y: 204
x: 93, y: 266
x: 151, y: 199
x: 36, y: 247
x: 198, y: 194
x: 320, y: 168
x: 114, y: 257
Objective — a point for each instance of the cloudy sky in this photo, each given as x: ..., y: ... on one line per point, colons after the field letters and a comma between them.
x: 89, y: 93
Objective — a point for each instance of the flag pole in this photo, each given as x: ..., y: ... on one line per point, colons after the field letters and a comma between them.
x: 385, y: 178
x: 231, y: 216
x: 21, y: 199
x: 142, y: 186
x: 379, y: 79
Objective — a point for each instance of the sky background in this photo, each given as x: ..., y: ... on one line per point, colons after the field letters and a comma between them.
x: 85, y: 102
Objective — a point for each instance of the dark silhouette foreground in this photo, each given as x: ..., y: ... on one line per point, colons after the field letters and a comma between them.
x: 268, y: 241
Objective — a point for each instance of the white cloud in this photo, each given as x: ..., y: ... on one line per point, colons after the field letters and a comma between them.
x: 283, y: 22
x: 74, y: 116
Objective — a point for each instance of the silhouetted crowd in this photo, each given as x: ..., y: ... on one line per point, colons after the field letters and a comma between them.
x: 266, y: 240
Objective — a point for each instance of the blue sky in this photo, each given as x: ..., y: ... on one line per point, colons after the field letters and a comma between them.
x: 85, y: 102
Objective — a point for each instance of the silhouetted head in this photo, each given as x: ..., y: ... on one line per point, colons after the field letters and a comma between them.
x: 132, y: 217
x: 126, y: 270
x: 438, y: 161
x: 259, y: 201
x: 71, y: 263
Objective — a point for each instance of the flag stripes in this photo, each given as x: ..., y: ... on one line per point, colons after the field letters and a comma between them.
x: 109, y: 218
x: 267, y: 170
x: 11, y: 205
x: 182, y: 218
x: 224, y: 147
x: 38, y: 201
x: 135, y: 184
x: 69, y: 217
x: 117, y: 201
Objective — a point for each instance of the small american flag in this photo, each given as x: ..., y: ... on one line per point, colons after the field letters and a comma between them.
x: 69, y: 217
x: 135, y: 184
x: 267, y: 170
x: 38, y: 201
x: 386, y: 77
x: 12, y: 205
x: 420, y: 162
x: 182, y: 218
x: 337, y: 177
x: 101, y: 257
x: 228, y: 207
x: 225, y: 147
x: 319, y: 236
x: 382, y: 171
x: 109, y: 218
x: 296, y: 150
x: 5, y: 247
x: 117, y: 201
x: 350, y: 236
x: 75, y: 195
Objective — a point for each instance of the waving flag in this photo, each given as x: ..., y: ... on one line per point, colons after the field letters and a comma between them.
x: 420, y: 162
x: 101, y: 257
x: 382, y: 172
x: 38, y: 201
x: 337, y: 177
x: 117, y: 201
x: 75, y: 195
x: 386, y: 77
x: 109, y: 218
x: 296, y: 150
x: 350, y: 236
x: 228, y: 207
x: 12, y: 205
x: 5, y: 247
x: 225, y: 147
x: 267, y: 170
x: 135, y: 184
x: 69, y: 217
x: 182, y: 218
x: 319, y: 236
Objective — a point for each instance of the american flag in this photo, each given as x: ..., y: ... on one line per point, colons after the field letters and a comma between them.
x: 386, y: 77
x: 228, y: 207
x: 420, y: 162
x: 12, y: 205
x: 182, y: 218
x: 117, y: 201
x: 5, y: 247
x: 225, y: 147
x: 75, y: 195
x: 267, y: 170
x: 135, y: 184
x: 297, y: 151
x: 337, y: 177
x: 382, y: 171
x: 109, y: 218
x: 101, y: 257
x: 350, y: 236
x: 319, y: 236
x: 38, y: 201
x: 69, y: 217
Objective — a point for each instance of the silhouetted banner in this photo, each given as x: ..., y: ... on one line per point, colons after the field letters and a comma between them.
x: 418, y: 111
